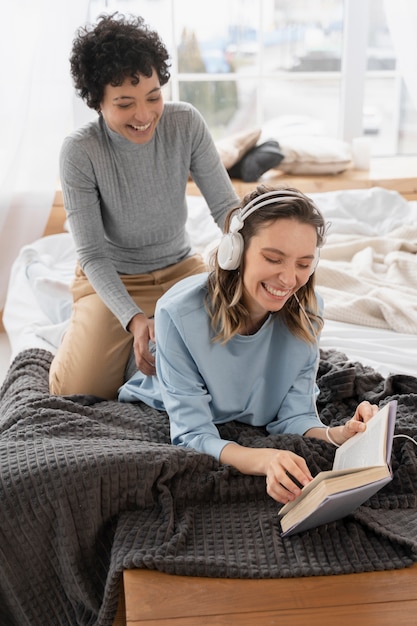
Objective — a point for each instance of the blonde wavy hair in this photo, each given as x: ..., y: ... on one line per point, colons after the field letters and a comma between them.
x: 225, y: 287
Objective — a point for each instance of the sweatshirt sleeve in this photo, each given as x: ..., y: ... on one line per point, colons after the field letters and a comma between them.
x: 183, y: 390
x: 298, y: 412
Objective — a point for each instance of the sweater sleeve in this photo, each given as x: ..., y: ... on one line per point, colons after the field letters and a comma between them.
x: 82, y: 204
x: 206, y: 167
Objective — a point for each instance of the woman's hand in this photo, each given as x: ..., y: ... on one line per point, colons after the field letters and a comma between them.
x: 143, y: 331
x: 283, y: 469
x: 286, y: 474
x: 357, y: 424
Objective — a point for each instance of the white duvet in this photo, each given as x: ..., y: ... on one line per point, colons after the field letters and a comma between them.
x: 367, y: 275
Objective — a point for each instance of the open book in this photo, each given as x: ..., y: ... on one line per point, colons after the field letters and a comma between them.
x: 361, y: 467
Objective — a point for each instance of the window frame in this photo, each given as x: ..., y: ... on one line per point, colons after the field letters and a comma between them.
x: 353, y: 75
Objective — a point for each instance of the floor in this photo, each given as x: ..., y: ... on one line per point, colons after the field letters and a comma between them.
x: 4, y: 355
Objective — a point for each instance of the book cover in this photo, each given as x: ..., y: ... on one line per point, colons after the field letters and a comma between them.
x: 361, y: 467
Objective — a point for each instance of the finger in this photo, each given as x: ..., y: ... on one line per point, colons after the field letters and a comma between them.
x: 365, y: 411
x: 149, y: 358
x: 278, y: 492
x: 141, y: 349
x: 298, y: 471
x: 145, y: 361
x: 146, y: 368
x: 354, y: 426
x: 291, y: 482
x: 293, y: 486
x: 372, y: 410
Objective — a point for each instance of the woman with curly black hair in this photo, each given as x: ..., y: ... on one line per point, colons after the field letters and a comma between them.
x: 124, y: 180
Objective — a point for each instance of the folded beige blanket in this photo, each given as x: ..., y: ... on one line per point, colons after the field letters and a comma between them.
x: 371, y: 281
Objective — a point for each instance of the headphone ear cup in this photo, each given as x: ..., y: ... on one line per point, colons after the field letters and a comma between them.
x: 230, y: 250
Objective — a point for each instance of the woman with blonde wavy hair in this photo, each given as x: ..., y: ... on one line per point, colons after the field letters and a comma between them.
x: 226, y: 299
x: 241, y: 342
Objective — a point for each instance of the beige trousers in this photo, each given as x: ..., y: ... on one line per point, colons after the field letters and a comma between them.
x: 95, y: 347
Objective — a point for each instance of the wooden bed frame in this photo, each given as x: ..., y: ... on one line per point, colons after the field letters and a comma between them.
x: 372, y: 599
x: 369, y: 599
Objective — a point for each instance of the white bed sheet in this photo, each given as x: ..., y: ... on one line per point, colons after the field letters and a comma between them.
x: 38, y: 302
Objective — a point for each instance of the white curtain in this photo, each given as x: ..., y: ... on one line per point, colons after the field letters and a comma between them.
x: 36, y: 112
x: 402, y: 23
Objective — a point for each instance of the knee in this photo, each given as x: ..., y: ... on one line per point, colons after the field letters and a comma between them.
x: 63, y: 383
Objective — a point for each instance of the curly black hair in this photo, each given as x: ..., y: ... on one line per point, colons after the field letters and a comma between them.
x: 116, y: 47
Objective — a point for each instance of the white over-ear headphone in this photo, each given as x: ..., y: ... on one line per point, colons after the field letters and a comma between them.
x: 231, y: 246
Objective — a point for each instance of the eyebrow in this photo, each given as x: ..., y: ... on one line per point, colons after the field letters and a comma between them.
x: 132, y: 98
x: 277, y: 251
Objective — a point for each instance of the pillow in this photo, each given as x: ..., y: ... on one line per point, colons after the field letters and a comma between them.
x: 257, y: 161
x: 314, y: 154
x: 232, y: 149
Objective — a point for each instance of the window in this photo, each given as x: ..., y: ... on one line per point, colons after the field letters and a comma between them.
x: 277, y: 64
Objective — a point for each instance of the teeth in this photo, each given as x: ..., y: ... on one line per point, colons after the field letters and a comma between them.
x: 275, y: 292
x: 141, y: 128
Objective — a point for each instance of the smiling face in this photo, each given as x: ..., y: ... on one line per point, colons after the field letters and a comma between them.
x: 133, y: 111
x: 278, y: 261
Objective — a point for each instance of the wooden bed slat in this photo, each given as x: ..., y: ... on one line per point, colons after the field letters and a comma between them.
x: 375, y: 598
x: 359, y: 616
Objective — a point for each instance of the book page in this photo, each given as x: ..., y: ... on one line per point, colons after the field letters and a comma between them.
x: 367, y: 448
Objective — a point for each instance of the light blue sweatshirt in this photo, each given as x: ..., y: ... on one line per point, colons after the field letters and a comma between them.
x: 267, y: 379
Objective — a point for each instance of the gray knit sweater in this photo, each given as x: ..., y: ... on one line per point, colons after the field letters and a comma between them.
x: 126, y: 202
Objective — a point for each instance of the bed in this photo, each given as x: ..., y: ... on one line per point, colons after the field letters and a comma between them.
x: 92, y: 488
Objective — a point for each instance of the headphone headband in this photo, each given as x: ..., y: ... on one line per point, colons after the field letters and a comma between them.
x: 230, y: 250
x: 238, y: 220
x: 262, y: 200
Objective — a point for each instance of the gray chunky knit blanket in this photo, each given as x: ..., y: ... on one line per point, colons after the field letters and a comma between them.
x: 91, y: 487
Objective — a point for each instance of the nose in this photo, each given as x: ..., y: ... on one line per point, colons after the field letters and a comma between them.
x: 141, y: 114
x: 288, y: 274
